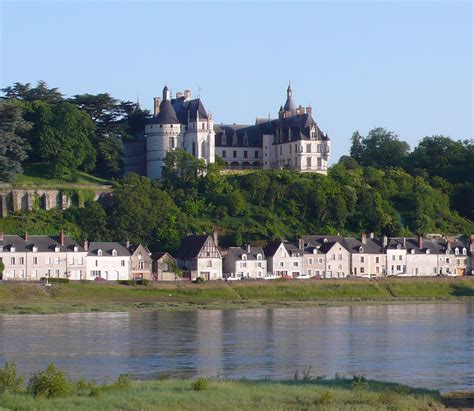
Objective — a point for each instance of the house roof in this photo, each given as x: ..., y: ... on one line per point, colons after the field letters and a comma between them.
x: 191, y: 246
x: 371, y: 246
x: 271, y: 248
x: 107, y: 248
x: 238, y: 252
x: 160, y: 254
x: 188, y: 108
x: 44, y: 243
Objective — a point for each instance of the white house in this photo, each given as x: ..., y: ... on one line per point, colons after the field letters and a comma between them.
x: 245, y: 262
x: 284, y: 259
x: 108, y: 260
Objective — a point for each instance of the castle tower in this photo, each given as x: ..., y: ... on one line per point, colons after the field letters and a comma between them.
x: 163, y: 134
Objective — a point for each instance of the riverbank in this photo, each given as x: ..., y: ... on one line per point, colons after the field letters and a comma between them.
x: 29, y: 298
x: 215, y: 394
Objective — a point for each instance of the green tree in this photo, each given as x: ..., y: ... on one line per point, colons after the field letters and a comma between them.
x: 13, y: 147
x: 26, y: 92
x: 92, y: 220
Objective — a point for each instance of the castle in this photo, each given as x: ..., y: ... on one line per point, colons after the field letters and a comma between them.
x: 291, y: 141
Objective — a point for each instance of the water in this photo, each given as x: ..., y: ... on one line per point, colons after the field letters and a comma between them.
x: 428, y: 345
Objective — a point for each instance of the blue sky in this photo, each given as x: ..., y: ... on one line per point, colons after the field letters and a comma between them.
x: 406, y: 66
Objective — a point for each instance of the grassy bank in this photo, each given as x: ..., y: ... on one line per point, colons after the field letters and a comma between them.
x: 336, y: 394
x: 77, y: 297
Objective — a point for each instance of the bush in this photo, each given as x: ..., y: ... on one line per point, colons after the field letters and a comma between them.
x: 50, y: 383
x: 201, y: 384
x: 53, y: 280
x: 130, y: 283
x: 199, y: 280
x: 10, y: 381
x: 123, y: 382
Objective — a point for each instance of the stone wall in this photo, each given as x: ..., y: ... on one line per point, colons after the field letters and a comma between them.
x: 12, y: 200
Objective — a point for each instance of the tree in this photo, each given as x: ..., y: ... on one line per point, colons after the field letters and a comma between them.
x: 41, y: 92
x: 182, y: 169
x: 91, y: 219
x: 61, y: 137
x: 13, y: 147
x: 381, y: 148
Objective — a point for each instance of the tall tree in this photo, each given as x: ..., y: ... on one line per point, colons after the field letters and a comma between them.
x: 26, y: 92
x: 13, y: 147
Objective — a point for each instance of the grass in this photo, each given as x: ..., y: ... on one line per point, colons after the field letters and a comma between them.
x: 230, y: 395
x: 28, y: 298
x: 36, y: 175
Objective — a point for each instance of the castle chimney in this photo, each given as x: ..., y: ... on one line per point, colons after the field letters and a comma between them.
x: 86, y: 245
x: 214, y: 235
x: 156, y: 106
x: 385, y: 241
x: 61, y: 237
x: 127, y: 243
x: 26, y: 236
x: 248, y: 248
x: 301, y: 244
x: 404, y: 242
x: 363, y: 238
x: 420, y: 241
x: 187, y: 94
x: 309, y: 110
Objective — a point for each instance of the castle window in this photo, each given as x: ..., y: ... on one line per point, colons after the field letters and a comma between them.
x: 319, y: 162
x: 308, y: 148
x: 308, y: 162
x: 171, y: 142
x: 203, y: 149
x: 194, y: 149
x: 290, y: 148
x: 203, y: 125
x: 234, y: 154
x: 245, y: 154
x: 246, y: 140
x: 224, y: 154
x: 234, y: 139
x: 224, y: 139
x: 256, y: 154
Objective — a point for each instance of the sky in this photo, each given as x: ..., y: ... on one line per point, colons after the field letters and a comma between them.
x: 406, y: 66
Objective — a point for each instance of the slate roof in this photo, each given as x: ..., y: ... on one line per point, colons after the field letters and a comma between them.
x: 191, y: 246
x: 237, y: 252
x: 167, y: 114
x: 158, y: 255
x: 287, y: 129
x: 43, y: 242
x: 107, y: 248
x: 317, y: 240
x: 372, y: 245
x: 182, y: 107
x: 271, y: 248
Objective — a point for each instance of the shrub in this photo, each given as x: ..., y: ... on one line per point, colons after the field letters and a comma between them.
x: 201, y: 384
x: 50, y: 383
x: 359, y: 383
x: 53, y: 280
x: 199, y: 280
x: 325, y: 398
x: 10, y: 381
x: 145, y: 282
x: 123, y: 382
x: 130, y: 283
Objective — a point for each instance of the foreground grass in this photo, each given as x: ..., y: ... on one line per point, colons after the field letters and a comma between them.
x: 28, y: 298
x: 236, y: 395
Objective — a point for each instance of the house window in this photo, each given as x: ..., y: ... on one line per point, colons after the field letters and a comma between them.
x: 311, y: 261
x: 362, y: 270
x: 48, y: 260
x: 308, y: 148
x: 308, y: 162
x: 57, y: 273
x: 400, y: 257
x: 295, y: 264
x: 141, y: 265
x: 244, y: 257
x: 319, y: 162
x: 122, y: 263
x: 56, y: 260
x: 209, y: 263
x: 259, y: 256
x: 35, y: 260
x: 447, y: 260
x: 377, y: 260
x: 282, y: 264
x: 340, y: 257
x: 256, y: 154
x: 245, y: 154
x: 318, y: 148
x: 361, y: 259
x: 377, y: 269
x: 95, y: 273
x: 259, y: 264
x: 243, y: 265
x: 114, y: 253
x: 399, y: 267
x: 234, y: 154
x: 71, y: 261
x: 22, y: 260
x: 12, y: 260
x: 393, y: 257
x: 320, y: 260
x: 96, y: 263
x: 224, y: 154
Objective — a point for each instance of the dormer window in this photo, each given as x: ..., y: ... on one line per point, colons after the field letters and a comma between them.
x: 224, y: 139
x: 1, y: 248
x: 35, y: 249
x: 140, y: 257
x: 448, y: 251
x: 246, y: 139
x: 464, y: 251
x: 56, y: 249
x: 99, y: 252
x: 456, y: 251
x: 234, y: 139
x: 325, y: 240
x: 244, y: 257
x: 412, y: 251
x: 427, y: 251
x: 259, y: 256
x: 399, y: 246
x: 114, y: 253
x: 12, y: 248
x: 361, y: 249
x: 76, y: 248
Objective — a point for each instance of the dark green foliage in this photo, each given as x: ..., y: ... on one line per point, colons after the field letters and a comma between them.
x: 92, y: 220
x: 10, y: 380
x: 201, y: 384
x: 13, y: 147
x: 50, y: 383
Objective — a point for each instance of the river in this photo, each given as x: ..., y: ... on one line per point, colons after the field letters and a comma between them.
x: 428, y: 345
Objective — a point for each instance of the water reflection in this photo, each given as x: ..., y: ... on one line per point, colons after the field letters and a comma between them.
x: 427, y: 344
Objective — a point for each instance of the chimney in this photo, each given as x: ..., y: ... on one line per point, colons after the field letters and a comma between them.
x: 187, y: 94
x: 156, y: 106
x: 127, y: 243
x: 371, y: 235
x: 363, y: 238
x: 214, y: 235
x: 385, y: 241
x: 301, y: 244
x: 1, y: 236
x: 86, y: 245
x: 404, y: 242
x: 420, y: 241
x: 471, y: 242
x: 61, y: 237
x: 248, y: 248
x: 179, y: 94
x: 26, y: 236
x: 309, y: 110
